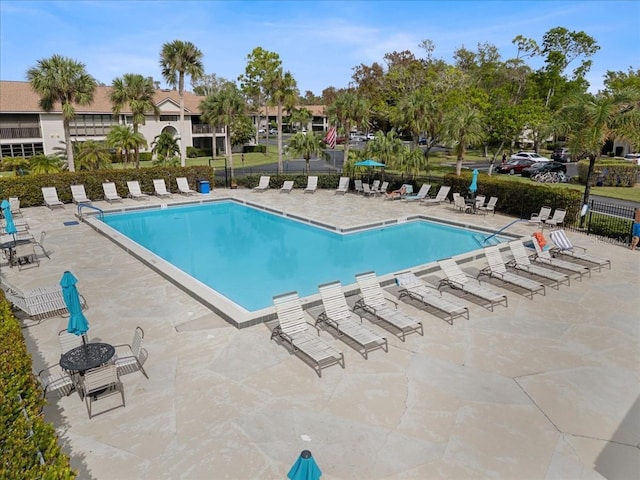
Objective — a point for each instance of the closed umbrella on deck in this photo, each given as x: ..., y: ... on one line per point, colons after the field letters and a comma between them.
x: 78, y: 323
x: 473, y: 188
x: 305, y: 468
x: 10, y: 226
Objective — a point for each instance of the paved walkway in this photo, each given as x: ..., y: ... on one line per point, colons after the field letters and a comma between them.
x: 546, y: 388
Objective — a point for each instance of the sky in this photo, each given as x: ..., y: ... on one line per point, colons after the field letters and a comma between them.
x: 319, y: 42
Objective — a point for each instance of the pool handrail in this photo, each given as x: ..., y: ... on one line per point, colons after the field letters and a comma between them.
x: 87, y: 205
x: 502, y: 229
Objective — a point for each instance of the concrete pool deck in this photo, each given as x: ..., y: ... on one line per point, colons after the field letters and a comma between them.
x: 546, y: 388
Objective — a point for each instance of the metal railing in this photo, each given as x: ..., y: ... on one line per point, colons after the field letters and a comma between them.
x: 609, y: 220
x: 87, y: 205
x: 7, y: 133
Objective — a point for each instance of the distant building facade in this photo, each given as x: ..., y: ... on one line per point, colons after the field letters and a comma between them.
x: 26, y: 130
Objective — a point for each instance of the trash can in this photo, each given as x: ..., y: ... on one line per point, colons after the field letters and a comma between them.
x: 203, y: 186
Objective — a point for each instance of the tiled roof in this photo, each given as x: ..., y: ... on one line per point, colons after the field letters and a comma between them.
x: 18, y: 97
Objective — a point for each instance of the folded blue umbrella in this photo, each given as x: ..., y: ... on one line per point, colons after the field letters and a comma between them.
x: 10, y: 227
x: 305, y: 468
x: 78, y: 323
x: 474, y: 181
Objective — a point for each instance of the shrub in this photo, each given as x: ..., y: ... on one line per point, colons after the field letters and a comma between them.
x: 254, y: 148
x: 609, y: 173
x: 146, y: 156
x: 28, y: 188
x: 23, y: 432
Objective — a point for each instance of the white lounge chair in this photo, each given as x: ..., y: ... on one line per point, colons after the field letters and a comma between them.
x: 457, y: 279
x: 358, y: 186
x: 543, y: 256
x: 14, y: 203
x: 536, y: 218
x: 522, y: 263
x: 160, y: 188
x: 110, y: 192
x: 38, y: 303
x: 287, y: 186
x: 101, y: 381
x: 366, y: 190
x: 557, y: 219
x: 422, y: 193
x: 183, y: 186
x: 414, y: 288
x: 130, y: 357
x: 312, y: 185
x: 565, y: 247
x: 55, y: 379
x: 293, y: 329
x: 263, y: 185
x: 343, y: 186
x: 489, y: 207
x: 374, y: 302
x: 79, y: 195
x: 440, y: 197
x: 50, y: 195
x: 135, y: 192
x: 383, y: 188
x: 338, y: 316
x: 497, y: 269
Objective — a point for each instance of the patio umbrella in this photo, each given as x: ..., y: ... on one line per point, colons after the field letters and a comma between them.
x: 473, y: 188
x: 369, y: 163
x: 78, y: 324
x: 305, y: 468
x: 10, y: 227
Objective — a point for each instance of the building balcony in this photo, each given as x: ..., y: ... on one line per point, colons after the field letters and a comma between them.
x: 9, y: 133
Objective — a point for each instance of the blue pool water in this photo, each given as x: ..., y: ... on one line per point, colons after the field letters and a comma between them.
x: 249, y: 255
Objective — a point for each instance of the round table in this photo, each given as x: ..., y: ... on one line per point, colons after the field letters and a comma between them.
x: 87, y: 356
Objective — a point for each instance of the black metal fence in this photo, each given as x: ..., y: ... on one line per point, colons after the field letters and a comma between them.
x: 609, y: 220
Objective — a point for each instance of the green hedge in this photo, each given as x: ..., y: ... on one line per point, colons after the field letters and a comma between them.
x: 28, y: 188
x: 609, y: 173
x: 329, y: 182
x: 21, y: 437
x: 254, y: 148
x: 519, y: 199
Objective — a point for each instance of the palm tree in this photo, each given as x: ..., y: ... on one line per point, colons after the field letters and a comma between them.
x: 45, y: 164
x: 15, y: 163
x: 349, y: 110
x: 93, y: 155
x: 178, y: 59
x: 284, y: 94
x: 222, y: 109
x: 462, y: 127
x: 62, y: 80
x: 590, y: 121
x: 165, y: 147
x: 137, y: 92
x: 306, y: 145
x: 125, y: 141
x: 386, y: 148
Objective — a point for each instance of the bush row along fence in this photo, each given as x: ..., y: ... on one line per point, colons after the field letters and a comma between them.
x: 28, y: 444
x: 28, y: 188
x: 611, y: 221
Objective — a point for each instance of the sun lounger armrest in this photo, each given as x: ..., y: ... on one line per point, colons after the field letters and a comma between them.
x: 484, y: 271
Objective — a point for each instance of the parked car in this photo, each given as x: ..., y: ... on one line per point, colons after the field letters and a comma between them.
x: 371, y: 136
x: 536, y: 157
x: 513, y: 167
x: 273, y: 131
x: 634, y: 157
x: 544, y: 167
x: 561, y: 155
x: 261, y: 131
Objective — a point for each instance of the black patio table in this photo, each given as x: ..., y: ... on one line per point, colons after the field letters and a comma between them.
x: 87, y: 356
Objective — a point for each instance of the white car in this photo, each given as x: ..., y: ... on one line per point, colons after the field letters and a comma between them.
x: 634, y: 157
x: 536, y: 157
x: 371, y: 136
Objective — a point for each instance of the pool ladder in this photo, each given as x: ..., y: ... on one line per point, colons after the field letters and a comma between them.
x: 86, y: 205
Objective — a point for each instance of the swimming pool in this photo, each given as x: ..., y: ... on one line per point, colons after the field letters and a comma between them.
x: 249, y: 255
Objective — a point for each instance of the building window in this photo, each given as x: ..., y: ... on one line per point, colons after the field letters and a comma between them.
x: 168, y: 118
x: 26, y: 150
x: 91, y: 125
